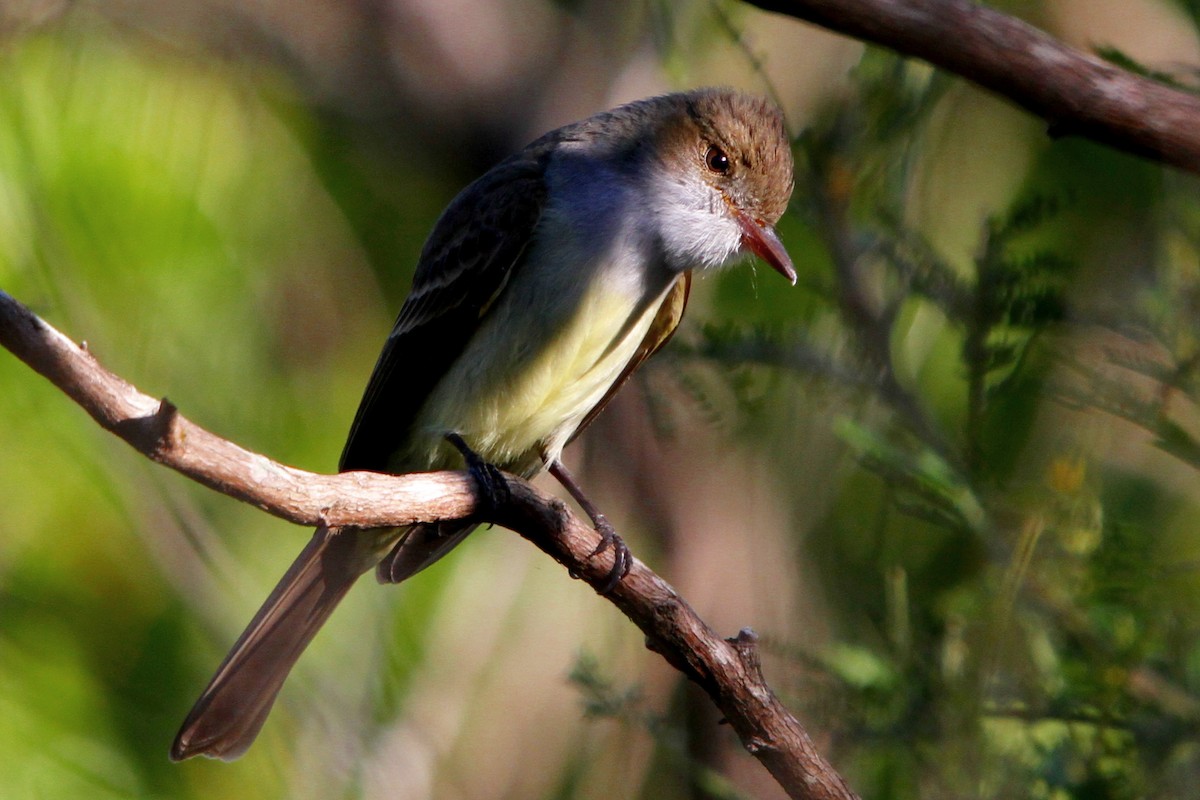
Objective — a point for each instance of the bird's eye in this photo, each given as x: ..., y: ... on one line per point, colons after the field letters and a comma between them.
x: 716, y: 160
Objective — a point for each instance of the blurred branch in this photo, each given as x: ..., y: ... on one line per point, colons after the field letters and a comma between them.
x: 1078, y: 94
x: 728, y: 670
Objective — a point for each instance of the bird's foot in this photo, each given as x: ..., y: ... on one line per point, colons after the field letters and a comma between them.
x: 493, y: 488
x: 622, y: 558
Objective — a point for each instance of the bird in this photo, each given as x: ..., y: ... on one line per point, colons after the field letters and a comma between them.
x: 543, y: 286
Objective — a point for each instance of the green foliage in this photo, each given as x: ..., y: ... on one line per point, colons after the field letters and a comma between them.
x: 1008, y: 626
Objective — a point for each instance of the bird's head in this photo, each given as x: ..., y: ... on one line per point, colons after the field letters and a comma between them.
x: 721, y: 178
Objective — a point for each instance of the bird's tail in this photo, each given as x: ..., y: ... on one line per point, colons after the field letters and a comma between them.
x: 230, y: 712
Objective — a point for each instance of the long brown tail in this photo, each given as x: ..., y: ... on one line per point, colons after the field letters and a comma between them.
x: 233, y: 708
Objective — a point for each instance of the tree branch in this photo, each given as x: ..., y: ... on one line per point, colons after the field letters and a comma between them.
x: 728, y: 670
x: 1076, y: 92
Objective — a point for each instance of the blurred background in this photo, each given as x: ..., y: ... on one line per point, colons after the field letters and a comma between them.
x: 952, y: 479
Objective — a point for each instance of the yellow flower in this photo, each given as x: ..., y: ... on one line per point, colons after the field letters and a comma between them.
x: 1065, y: 474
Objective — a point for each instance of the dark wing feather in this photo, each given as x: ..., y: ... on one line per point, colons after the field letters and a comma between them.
x: 465, y: 264
x: 660, y: 332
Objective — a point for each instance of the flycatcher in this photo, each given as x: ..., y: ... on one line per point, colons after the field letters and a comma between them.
x: 543, y: 286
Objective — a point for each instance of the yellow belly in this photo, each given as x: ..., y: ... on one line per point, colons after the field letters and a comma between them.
x: 525, y: 382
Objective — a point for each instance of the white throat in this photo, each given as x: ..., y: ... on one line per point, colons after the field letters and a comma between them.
x: 694, y: 222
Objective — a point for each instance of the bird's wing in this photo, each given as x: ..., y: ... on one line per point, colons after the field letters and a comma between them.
x: 465, y: 265
x: 660, y: 332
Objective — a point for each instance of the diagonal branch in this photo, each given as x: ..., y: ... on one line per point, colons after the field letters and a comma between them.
x: 728, y: 670
x: 1077, y: 93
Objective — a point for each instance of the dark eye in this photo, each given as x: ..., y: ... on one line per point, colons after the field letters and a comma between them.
x: 716, y: 160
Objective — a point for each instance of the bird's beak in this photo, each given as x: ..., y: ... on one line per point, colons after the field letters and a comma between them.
x: 762, y: 240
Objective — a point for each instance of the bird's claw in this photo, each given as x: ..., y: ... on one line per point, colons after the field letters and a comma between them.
x: 622, y: 558
x: 492, y: 486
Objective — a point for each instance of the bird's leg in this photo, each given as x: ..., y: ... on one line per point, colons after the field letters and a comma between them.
x: 492, y: 485
x: 622, y: 558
